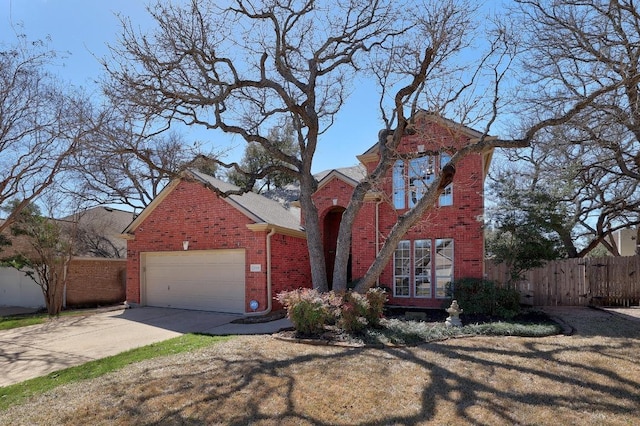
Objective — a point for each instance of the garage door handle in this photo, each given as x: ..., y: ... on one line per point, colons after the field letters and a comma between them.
x: 168, y: 287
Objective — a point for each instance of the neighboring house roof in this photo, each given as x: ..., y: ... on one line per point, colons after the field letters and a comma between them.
x: 258, y: 208
x: 96, y: 235
x: 99, y: 229
x: 19, y: 244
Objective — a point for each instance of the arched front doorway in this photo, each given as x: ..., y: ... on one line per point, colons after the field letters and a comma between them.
x: 331, y: 227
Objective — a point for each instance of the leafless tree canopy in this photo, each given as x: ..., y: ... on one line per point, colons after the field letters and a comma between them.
x: 41, y: 124
x: 250, y: 66
x: 581, y: 76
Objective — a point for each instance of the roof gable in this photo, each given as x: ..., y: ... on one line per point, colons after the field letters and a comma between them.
x: 350, y: 175
x: 426, y: 116
x: 259, y: 209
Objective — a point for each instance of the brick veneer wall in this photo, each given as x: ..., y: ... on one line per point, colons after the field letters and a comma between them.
x: 93, y: 281
x: 290, y: 267
x: 461, y: 221
x: 191, y: 212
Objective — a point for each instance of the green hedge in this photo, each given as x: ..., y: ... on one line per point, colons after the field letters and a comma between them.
x: 478, y: 296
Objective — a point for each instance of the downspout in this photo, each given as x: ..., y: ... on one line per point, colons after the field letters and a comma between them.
x: 378, y: 235
x: 269, y: 298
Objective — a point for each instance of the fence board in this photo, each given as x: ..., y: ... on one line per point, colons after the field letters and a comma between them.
x: 610, y: 281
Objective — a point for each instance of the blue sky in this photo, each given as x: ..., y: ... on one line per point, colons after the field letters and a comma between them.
x: 84, y: 27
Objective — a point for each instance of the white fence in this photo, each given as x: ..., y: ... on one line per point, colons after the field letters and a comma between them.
x: 17, y: 289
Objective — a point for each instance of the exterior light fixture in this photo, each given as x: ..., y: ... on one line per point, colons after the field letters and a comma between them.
x: 185, y: 245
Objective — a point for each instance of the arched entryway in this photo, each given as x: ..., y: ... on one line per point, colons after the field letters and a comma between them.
x: 331, y: 227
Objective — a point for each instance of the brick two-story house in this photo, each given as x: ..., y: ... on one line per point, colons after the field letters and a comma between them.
x: 193, y: 249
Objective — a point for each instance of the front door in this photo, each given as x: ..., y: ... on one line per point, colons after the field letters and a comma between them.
x: 330, y: 232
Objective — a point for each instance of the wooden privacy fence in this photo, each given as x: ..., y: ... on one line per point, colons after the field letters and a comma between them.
x: 603, y: 281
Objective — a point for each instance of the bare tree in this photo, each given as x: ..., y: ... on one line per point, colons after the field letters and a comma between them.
x: 566, y: 191
x: 582, y: 76
x: 247, y: 67
x: 50, y: 248
x: 118, y: 165
x: 42, y: 123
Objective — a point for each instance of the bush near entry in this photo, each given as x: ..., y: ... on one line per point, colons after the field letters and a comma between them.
x: 310, y: 311
x: 478, y: 296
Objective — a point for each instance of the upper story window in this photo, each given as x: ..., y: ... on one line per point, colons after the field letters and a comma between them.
x: 411, y: 179
x: 446, y: 198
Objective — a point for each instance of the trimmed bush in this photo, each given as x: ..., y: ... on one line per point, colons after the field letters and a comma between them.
x: 310, y: 311
x: 353, y: 313
x: 307, y: 309
x: 478, y: 296
x: 377, y: 297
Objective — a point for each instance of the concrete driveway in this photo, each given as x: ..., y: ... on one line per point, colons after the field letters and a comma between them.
x: 37, y: 350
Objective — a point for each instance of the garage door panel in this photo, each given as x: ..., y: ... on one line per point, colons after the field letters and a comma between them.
x: 204, y: 280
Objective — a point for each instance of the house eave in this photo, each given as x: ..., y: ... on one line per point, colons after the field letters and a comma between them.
x: 266, y: 227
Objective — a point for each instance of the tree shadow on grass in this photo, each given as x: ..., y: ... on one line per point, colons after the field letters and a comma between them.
x: 479, y: 381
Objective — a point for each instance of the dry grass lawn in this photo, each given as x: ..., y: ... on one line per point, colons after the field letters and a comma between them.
x: 589, y: 378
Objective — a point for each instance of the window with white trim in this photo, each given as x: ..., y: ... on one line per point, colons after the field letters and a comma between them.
x: 398, y: 185
x: 446, y: 198
x: 427, y: 264
x: 420, y: 177
x: 412, y: 178
x: 443, y: 265
x: 402, y: 269
x: 422, y: 270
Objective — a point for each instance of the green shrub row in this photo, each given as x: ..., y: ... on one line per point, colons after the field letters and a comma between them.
x: 311, y: 311
x: 478, y: 296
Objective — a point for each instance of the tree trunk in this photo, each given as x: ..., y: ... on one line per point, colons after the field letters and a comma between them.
x: 314, y: 238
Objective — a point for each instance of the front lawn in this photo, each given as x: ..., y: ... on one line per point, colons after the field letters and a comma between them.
x: 13, y: 394
x: 589, y: 378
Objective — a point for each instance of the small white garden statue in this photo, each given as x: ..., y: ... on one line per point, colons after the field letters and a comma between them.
x: 454, y: 312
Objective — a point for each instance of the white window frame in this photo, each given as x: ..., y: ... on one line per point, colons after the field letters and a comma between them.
x: 404, y: 268
x: 420, y: 175
x: 444, y: 265
x: 422, y: 274
x: 446, y: 198
x: 399, y: 189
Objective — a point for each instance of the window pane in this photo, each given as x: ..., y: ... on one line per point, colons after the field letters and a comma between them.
x: 446, y: 198
x: 421, y: 173
x: 444, y: 265
x: 401, y: 269
x: 422, y: 253
x: 398, y: 185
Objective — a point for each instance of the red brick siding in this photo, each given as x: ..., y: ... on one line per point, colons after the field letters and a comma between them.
x: 459, y: 221
x: 96, y: 282
x: 290, y: 267
x: 196, y: 214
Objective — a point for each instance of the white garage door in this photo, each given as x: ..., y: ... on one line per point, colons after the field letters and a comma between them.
x: 211, y: 280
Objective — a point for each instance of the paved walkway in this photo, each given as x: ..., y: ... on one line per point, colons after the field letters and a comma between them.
x: 37, y: 350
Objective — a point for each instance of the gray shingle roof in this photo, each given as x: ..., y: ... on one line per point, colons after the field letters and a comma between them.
x: 259, y: 208
x: 356, y: 173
